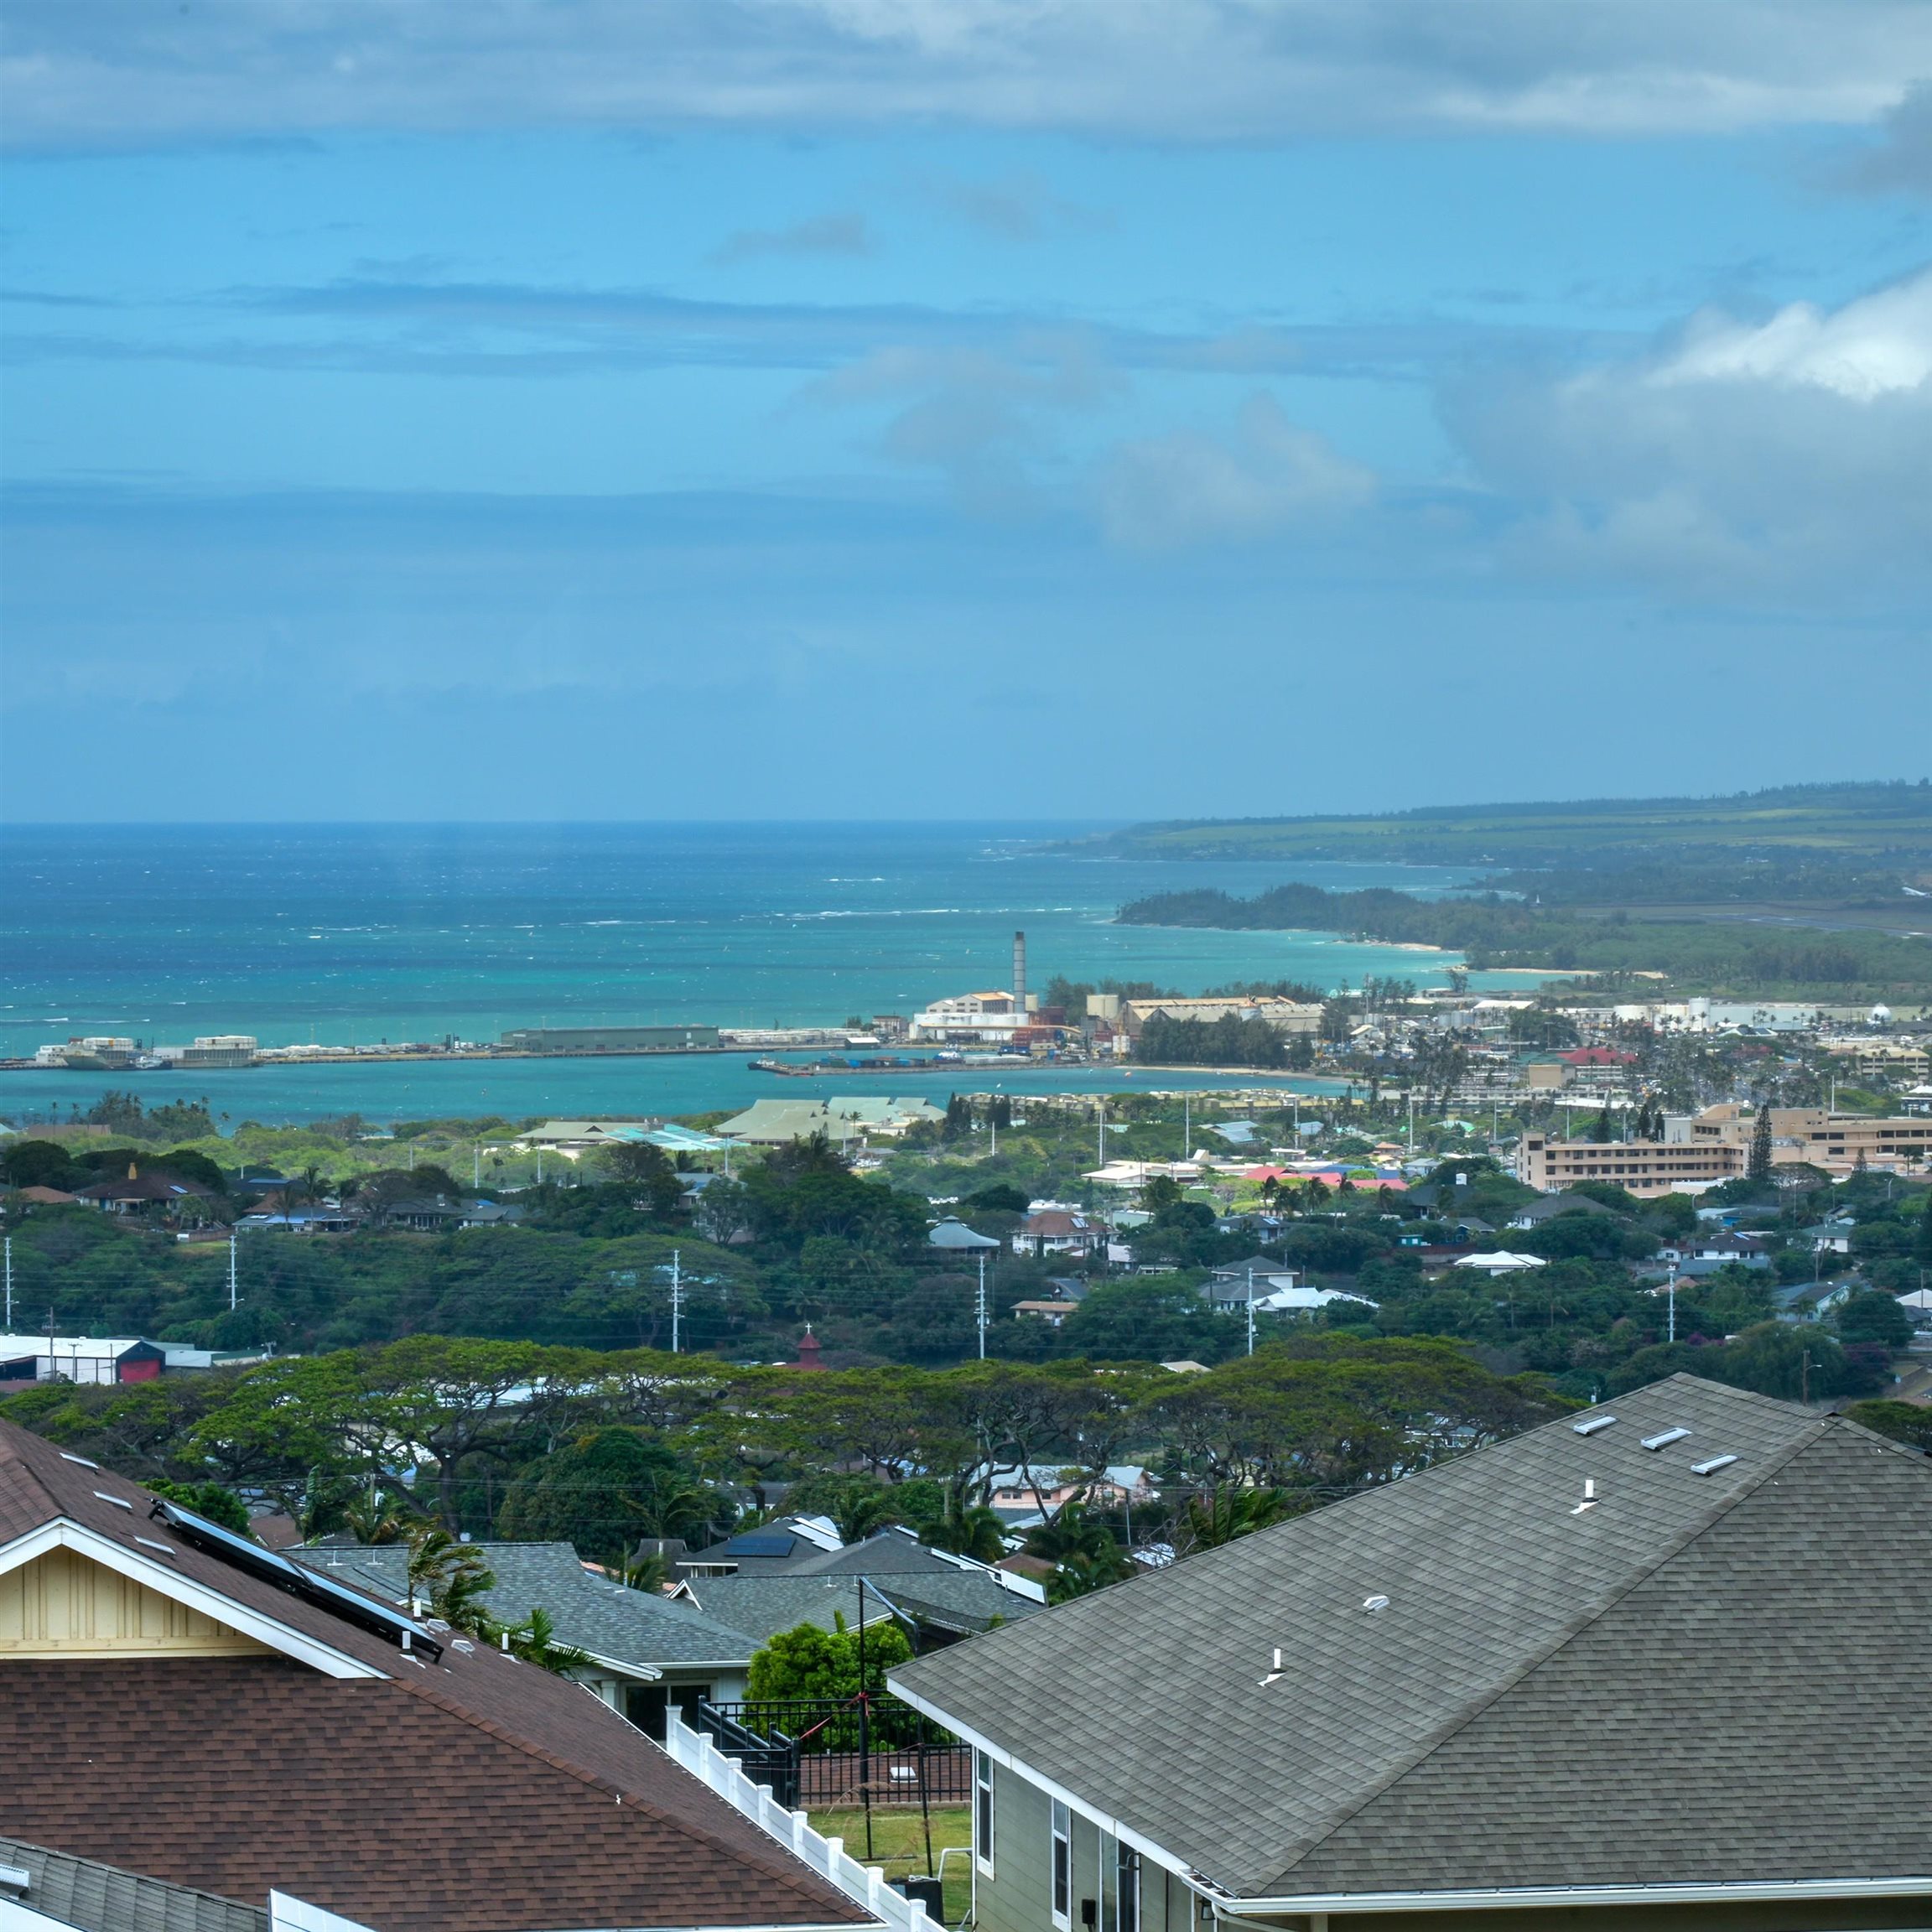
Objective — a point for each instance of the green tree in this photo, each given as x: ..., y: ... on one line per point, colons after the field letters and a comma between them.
x: 451, y: 1581
x: 1922, y: 1248
x: 1085, y: 1554
x: 647, y: 1172
x: 608, y: 1491
x: 1903, y: 1421
x: 535, y: 1641
x: 1872, y: 1316
x: 210, y: 1499
x: 1223, y: 1515
x: 1758, y: 1166
x: 37, y: 1164
x: 809, y: 1662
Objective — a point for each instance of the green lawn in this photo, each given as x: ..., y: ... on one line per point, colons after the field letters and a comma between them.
x: 899, y: 1845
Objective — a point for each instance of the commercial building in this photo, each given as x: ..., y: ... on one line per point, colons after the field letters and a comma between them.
x: 608, y: 1039
x: 1627, y: 1672
x: 1639, y: 1167
x: 212, y: 1050
x: 774, y: 1123
x: 1289, y: 1015
x: 989, y: 1019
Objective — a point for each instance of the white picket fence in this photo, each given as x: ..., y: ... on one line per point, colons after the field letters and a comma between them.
x: 698, y: 1754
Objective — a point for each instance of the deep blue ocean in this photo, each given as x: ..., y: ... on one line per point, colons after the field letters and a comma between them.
x: 360, y: 933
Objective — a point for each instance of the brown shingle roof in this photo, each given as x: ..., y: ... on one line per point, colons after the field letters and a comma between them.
x: 472, y: 1793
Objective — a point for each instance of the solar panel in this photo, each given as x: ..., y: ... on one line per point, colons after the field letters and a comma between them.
x: 253, y: 1558
x: 761, y: 1546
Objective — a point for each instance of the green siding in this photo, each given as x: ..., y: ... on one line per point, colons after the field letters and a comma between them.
x: 1017, y: 1898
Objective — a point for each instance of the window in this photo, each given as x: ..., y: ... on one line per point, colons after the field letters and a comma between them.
x: 983, y: 1812
x: 1063, y: 1866
x: 1127, y: 1916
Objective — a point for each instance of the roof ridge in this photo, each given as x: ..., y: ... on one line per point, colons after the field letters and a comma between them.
x: 1454, y: 1726
x: 493, y: 1727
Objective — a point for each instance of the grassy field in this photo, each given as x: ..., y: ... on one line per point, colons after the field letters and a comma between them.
x: 899, y: 1845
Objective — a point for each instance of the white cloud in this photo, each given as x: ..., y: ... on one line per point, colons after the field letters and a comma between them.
x: 821, y: 235
x: 125, y: 71
x: 1790, y: 456
x: 1878, y: 346
x: 1267, y: 477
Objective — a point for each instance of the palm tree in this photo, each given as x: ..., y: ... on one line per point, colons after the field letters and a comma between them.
x: 453, y: 1578
x: 1220, y: 1516
x: 1085, y: 1556
x: 534, y: 1640
x: 864, y: 1511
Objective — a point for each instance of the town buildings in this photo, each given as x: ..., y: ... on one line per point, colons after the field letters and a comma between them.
x: 1631, y: 1669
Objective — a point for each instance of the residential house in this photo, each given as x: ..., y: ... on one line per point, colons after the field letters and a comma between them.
x: 1064, y: 1294
x: 1702, y: 1254
x: 767, y: 1549
x: 937, y: 1594
x: 776, y: 1123
x: 1628, y: 1669
x: 1020, y: 1494
x: 1534, y: 1213
x: 132, y: 1192
x: 644, y: 1652
x: 184, y: 1705
x: 1059, y: 1231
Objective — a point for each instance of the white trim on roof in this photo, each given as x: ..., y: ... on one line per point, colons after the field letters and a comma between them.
x: 1742, y: 1892
x: 63, y: 1533
x: 1168, y: 1860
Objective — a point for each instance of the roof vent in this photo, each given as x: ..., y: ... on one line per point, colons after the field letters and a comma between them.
x: 1713, y: 1466
x: 1593, y: 1425
x: 119, y: 1502
x: 1666, y: 1439
x: 166, y: 1548
x: 1374, y: 1603
x: 66, y: 1456
x: 16, y: 1878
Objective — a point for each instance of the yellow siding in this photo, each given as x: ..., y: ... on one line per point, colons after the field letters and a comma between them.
x: 62, y: 1604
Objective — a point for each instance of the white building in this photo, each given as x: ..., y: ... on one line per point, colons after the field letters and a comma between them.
x: 971, y: 1018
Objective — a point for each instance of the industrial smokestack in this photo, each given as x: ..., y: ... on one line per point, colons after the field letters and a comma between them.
x: 1019, y: 972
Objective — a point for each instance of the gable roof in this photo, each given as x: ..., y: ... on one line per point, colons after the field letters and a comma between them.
x: 96, y: 1897
x: 458, y: 1792
x: 1598, y: 1677
x: 760, y: 1606
x: 613, y: 1623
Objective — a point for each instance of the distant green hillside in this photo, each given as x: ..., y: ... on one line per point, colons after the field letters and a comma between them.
x: 1849, y: 843
x: 1719, y: 956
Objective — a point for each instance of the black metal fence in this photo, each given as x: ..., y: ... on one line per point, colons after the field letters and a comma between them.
x: 819, y: 1754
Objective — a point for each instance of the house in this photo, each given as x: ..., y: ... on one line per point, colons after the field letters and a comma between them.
x: 184, y: 1705
x: 1526, y: 1687
x: 644, y: 1652
x: 1058, y: 1231
x: 1534, y: 1213
x: 768, y: 1550
x: 1701, y: 1253
x: 132, y: 1192
x: 937, y: 1594
x: 44, y: 1891
x: 1034, y: 1493
x: 1065, y: 1293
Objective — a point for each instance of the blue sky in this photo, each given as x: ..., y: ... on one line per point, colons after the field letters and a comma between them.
x: 856, y: 408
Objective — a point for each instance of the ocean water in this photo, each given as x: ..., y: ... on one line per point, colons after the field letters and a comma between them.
x: 348, y: 934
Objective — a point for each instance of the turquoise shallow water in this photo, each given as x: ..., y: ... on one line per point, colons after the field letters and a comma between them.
x: 361, y: 934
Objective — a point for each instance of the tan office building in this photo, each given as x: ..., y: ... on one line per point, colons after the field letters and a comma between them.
x: 1639, y: 1167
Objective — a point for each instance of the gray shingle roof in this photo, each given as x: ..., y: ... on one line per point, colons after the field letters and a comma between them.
x: 760, y: 1606
x: 96, y: 1897
x: 1693, y: 1681
x: 593, y: 1614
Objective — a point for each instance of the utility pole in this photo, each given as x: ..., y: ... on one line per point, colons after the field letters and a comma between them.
x: 9, y: 1284
x: 1187, y: 1126
x: 1411, y: 1119
x: 1250, y: 1311
x: 1672, y: 1334
x: 676, y: 1298
x: 475, y: 1163
x: 233, y: 1294
x: 980, y: 1305
x: 1102, y: 1110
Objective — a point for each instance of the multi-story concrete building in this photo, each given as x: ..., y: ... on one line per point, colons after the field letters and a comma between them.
x: 1639, y: 1167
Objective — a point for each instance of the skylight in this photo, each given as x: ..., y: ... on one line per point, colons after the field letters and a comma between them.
x: 1668, y: 1437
